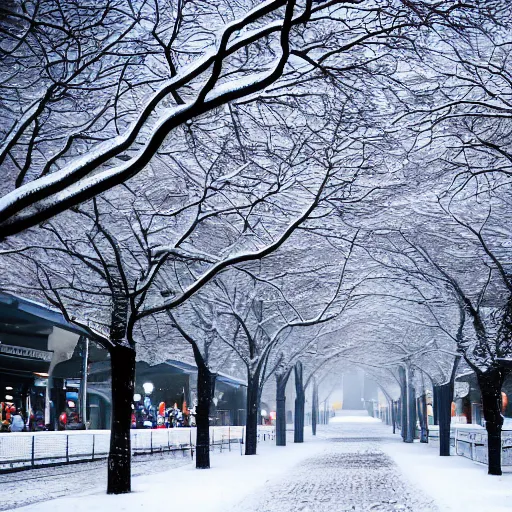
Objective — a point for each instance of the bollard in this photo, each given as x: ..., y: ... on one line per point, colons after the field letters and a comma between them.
x: 229, y: 437
x: 67, y: 447
x: 33, y: 450
x: 93, y: 443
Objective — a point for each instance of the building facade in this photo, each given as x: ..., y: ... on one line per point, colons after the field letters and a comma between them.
x: 55, y: 377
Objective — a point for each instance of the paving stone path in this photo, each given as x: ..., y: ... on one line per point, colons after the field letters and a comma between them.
x: 351, y: 474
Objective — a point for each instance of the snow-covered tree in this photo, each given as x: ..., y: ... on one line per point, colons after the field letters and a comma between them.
x: 90, y: 94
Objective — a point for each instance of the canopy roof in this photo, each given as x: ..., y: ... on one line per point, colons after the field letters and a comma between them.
x: 32, y: 316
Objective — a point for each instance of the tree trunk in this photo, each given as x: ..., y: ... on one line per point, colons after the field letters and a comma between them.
x: 411, y: 407
x: 205, y: 391
x: 490, y: 383
x: 403, y: 402
x: 423, y: 417
x: 122, y: 360
x: 314, y: 407
x: 251, y: 427
x: 444, y: 414
x: 393, y: 415
x: 281, y: 381
x: 300, y: 402
x: 436, y: 404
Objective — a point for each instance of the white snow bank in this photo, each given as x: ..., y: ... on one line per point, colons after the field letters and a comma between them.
x: 231, y: 478
x: 455, y: 483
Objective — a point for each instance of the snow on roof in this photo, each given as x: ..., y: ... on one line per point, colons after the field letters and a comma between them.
x: 41, y: 311
x: 221, y: 377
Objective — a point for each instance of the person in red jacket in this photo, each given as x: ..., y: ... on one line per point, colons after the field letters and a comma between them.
x: 63, y: 421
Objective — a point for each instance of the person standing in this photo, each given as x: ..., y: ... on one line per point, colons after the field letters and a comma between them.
x: 17, y: 424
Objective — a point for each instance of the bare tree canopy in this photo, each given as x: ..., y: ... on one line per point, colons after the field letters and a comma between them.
x: 91, y: 92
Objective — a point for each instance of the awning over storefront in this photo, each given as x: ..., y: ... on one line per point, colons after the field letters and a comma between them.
x: 232, y: 381
x: 25, y: 329
x: 32, y: 316
x: 192, y: 368
x: 174, y: 366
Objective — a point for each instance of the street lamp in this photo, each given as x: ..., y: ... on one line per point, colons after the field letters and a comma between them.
x: 148, y: 388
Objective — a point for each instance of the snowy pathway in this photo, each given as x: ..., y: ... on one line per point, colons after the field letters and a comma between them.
x: 349, y: 466
x: 42, y: 484
x: 352, y: 473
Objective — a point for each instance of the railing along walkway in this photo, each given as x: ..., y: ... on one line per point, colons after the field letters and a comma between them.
x: 24, y: 450
x: 470, y: 441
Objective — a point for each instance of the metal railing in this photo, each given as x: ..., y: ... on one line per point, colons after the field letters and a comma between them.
x: 26, y: 450
x: 472, y: 443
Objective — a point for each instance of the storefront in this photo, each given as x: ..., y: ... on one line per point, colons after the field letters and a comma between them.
x: 165, y: 395
x: 57, y: 378
x: 467, y: 406
x: 34, y: 339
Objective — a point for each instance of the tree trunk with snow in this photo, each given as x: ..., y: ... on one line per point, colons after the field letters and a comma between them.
x: 411, y: 409
x: 122, y: 360
x: 300, y: 402
x: 253, y: 403
x: 490, y: 383
x: 205, y: 391
x: 444, y: 414
x: 314, y: 407
x: 423, y: 418
x: 403, y: 402
x: 435, y: 397
x: 393, y: 415
x: 281, y: 381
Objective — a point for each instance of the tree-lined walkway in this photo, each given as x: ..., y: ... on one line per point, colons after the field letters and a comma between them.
x: 352, y: 473
x: 349, y: 466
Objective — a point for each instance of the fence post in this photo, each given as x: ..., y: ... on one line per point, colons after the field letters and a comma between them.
x: 151, y: 441
x: 93, y: 445
x: 229, y: 436
x: 213, y: 438
x: 168, y: 440
x: 33, y: 450
x: 190, y: 442
x: 67, y: 447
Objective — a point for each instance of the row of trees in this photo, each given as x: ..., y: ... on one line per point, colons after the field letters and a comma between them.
x: 276, y: 186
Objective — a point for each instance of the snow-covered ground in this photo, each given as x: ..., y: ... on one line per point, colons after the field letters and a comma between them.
x: 354, y: 419
x: 42, y: 484
x: 455, y: 483
x: 355, y: 465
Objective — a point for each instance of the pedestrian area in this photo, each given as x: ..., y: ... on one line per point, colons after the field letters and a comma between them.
x: 353, y: 464
x: 350, y: 473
